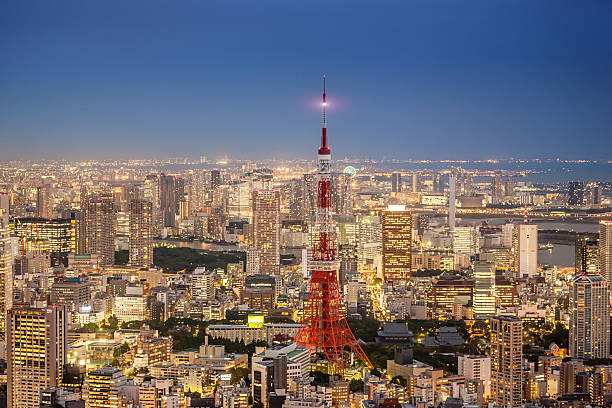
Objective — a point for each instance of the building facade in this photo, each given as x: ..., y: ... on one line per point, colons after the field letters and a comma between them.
x: 266, y: 234
x: 141, y: 233
x: 605, y: 249
x: 101, y: 229
x: 506, y: 360
x: 590, y: 317
x: 396, y: 243
x: 525, y: 247
x: 36, y: 352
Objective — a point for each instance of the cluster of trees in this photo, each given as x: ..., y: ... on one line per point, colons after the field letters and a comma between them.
x: 379, y: 353
x: 438, y: 361
x: 178, y: 259
x: 110, y: 324
x: 238, y: 347
x: 426, y: 273
x: 365, y: 329
x: 240, y: 373
x: 543, y: 334
x: 122, y: 257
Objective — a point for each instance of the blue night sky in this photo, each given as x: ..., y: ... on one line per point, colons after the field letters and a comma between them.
x: 406, y: 79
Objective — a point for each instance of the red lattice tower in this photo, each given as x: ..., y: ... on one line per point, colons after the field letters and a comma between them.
x: 324, y: 327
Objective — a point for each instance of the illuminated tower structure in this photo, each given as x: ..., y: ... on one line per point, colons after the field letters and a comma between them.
x: 324, y: 328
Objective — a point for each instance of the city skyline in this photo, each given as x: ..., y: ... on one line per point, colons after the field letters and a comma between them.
x: 180, y: 227
x: 432, y: 81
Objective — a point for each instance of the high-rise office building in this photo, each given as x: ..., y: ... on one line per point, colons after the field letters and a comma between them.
x: 569, y: 371
x: 587, y: 255
x: 150, y: 192
x: 6, y: 271
x: 36, y: 352
x: 506, y: 360
x: 101, y: 387
x: 444, y: 290
x: 171, y: 193
x: 575, y: 194
x: 369, y: 242
x: 452, y: 191
x: 507, y: 235
x: 72, y: 293
x: 396, y: 182
x: 101, y: 229
x: 484, y: 290
x: 215, y: 178
x: 592, y: 194
x: 416, y: 182
x: 43, y: 202
x: 346, y: 239
x: 266, y: 229
x: 239, y: 200
x: 509, y: 187
x: 525, y: 247
x: 56, y: 233
x: 141, y: 233
x: 465, y: 240
x: 605, y: 249
x: 396, y: 243
x: 78, y: 237
x: 590, y: 317
x: 203, y: 284
x: 475, y: 368
x: 497, y: 188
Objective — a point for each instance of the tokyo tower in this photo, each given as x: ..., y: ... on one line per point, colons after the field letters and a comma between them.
x: 324, y: 327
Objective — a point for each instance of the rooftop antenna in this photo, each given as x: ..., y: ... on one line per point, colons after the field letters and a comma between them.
x: 324, y: 148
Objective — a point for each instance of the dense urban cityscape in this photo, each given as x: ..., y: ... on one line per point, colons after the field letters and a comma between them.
x: 393, y: 204
x: 241, y: 284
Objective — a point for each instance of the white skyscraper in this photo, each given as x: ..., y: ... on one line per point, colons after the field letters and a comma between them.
x: 476, y: 368
x: 451, y: 202
x: 506, y: 236
x: 484, y: 290
x: 525, y: 246
x: 203, y: 284
x: 465, y: 240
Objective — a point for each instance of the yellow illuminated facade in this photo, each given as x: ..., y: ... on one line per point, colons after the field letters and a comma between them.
x: 266, y: 233
x: 101, y: 388
x: 141, y: 233
x: 36, y: 347
x: 255, y: 321
x: 56, y: 231
x: 506, y: 360
x: 396, y: 243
